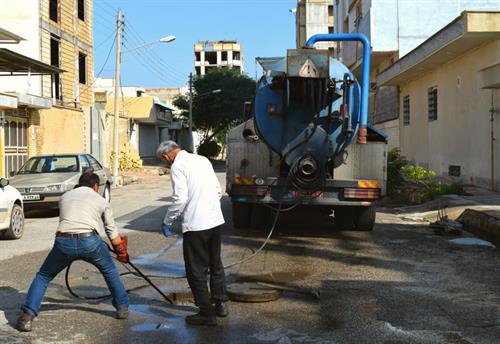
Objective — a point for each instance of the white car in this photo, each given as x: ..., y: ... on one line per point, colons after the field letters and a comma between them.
x: 11, y: 211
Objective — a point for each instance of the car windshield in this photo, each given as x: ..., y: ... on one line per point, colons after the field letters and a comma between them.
x: 50, y: 164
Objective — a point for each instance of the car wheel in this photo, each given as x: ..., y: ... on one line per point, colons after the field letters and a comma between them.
x: 107, y: 193
x: 16, y: 228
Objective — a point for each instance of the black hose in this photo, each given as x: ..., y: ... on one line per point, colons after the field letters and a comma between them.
x: 147, y: 278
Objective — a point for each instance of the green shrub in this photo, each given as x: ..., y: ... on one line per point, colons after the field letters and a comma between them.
x: 418, y: 174
x: 209, y: 149
x: 395, y: 180
x: 399, y: 173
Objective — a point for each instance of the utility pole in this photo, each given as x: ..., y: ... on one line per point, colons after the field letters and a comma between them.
x: 191, y: 141
x: 116, y: 131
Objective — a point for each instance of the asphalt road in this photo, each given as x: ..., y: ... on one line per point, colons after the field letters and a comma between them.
x: 400, y: 283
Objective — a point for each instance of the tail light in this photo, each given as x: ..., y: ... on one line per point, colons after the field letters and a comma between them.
x: 362, y: 193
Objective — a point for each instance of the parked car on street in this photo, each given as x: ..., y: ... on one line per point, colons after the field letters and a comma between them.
x: 11, y: 211
x: 42, y: 180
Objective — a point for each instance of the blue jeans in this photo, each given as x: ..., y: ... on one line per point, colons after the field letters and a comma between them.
x: 66, y: 250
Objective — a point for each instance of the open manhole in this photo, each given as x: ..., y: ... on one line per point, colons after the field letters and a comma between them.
x: 251, y: 292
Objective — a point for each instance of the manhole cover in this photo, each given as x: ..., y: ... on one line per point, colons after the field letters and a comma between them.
x: 251, y: 292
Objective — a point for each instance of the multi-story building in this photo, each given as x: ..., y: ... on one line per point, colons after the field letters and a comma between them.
x: 314, y: 17
x: 394, y: 28
x: 53, y: 114
x: 449, y: 91
x: 221, y: 54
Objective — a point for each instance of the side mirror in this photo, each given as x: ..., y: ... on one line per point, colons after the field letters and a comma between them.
x: 4, y: 182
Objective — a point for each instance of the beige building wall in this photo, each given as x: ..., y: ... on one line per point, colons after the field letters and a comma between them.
x: 73, y: 109
x: 56, y: 131
x: 461, y: 133
x: 391, y: 129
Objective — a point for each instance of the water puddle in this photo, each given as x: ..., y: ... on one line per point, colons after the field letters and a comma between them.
x: 151, y: 327
x: 471, y: 242
x: 278, y: 277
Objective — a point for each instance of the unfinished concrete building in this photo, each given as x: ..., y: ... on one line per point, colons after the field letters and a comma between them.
x: 221, y: 54
x: 313, y: 17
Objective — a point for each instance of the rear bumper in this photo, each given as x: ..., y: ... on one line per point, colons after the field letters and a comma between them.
x: 46, y: 201
x: 275, y: 191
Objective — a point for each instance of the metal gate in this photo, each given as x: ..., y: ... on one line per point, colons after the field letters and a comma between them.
x: 16, y: 143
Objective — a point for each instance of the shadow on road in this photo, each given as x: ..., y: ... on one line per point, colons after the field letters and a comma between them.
x: 41, y: 213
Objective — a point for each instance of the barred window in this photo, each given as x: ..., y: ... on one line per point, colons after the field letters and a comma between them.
x: 432, y: 103
x: 406, y: 110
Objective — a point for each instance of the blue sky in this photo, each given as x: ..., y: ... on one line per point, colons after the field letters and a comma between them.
x: 263, y: 27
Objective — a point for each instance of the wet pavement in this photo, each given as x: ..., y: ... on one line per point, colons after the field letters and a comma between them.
x: 400, y: 283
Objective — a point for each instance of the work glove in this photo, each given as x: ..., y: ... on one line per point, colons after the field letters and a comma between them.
x: 121, y: 250
x: 166, y: 230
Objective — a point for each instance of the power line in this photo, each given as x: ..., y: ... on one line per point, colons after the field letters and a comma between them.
x: 104, y: 3
x: 105, y: 40
x: 151, y: 51
x: 154, y: 69
x: 105, y: 7
x: 100, y: 71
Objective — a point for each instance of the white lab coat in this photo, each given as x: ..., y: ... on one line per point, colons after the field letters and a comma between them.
x: 196, y: 193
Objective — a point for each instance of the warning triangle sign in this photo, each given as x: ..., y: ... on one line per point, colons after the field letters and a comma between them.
x: 309, y: 70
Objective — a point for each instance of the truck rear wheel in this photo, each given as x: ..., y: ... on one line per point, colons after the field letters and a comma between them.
x: 364, y: 218
x: 261, y: 216
x: 343, y: 218
x: 241, y: 215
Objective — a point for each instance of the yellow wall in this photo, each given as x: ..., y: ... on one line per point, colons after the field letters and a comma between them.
x: 123, y: 136
x: 461, y: 134
x: 135, y: 107
x: 54, y: 131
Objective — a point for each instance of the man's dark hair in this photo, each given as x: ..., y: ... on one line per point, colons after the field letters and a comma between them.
x: 88, y: 179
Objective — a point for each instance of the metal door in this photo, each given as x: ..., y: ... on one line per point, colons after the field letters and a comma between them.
x: 16, y: 143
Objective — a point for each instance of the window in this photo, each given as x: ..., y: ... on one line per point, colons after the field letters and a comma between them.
x: 224, y: 55
x: 54, y: 10
x: 211, y: 57
x: 406, y: 110
x: 82, y: 68
x: 198, y: 70
x: 330, y: 10
x: 197, y: 56
x: 84, y: 163
x: 236, y: 55
x: 94, y: 163
x: 50, y: 164
x: 330, y: 29
x: 432, y: 103
x: 81, y: 9
x: 54, y: 61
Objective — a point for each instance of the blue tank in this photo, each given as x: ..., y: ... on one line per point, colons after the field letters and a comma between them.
x: 309, y: 108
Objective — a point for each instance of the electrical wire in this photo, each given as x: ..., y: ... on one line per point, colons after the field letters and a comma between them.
x: 100, y: 71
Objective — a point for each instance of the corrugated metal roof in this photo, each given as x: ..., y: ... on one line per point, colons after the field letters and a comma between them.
x: 12, y: 62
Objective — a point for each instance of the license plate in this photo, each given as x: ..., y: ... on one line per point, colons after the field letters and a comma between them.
x: 31, y: 197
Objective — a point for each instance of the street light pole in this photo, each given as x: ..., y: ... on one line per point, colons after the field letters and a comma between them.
x: 191, y: 141
x: 116, y: 131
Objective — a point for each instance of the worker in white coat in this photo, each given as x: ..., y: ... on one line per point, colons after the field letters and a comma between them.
x: 196, y: 197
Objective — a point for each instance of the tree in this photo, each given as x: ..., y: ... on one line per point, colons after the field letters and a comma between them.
x: 215, y: 113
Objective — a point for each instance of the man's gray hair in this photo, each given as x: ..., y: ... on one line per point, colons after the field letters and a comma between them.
x: 166, y: 147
